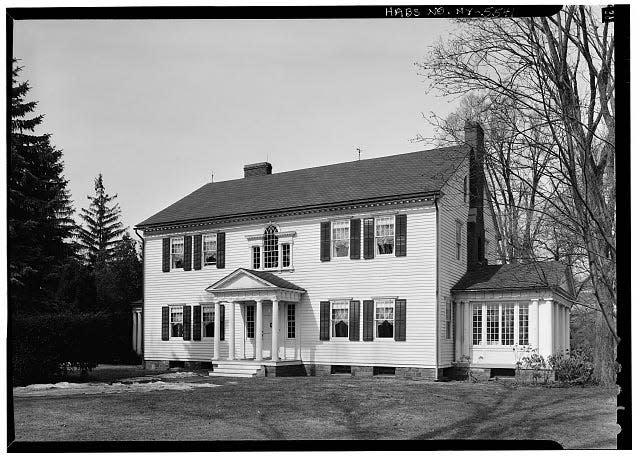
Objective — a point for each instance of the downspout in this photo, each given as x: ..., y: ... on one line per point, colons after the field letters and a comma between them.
x: 435, y: 201
x: 143, y: 303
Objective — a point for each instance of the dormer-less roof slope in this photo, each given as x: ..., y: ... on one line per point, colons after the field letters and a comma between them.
x: 413, y: 174
x: 537, y: 275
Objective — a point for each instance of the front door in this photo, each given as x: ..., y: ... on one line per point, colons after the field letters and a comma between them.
x: 266, y: 330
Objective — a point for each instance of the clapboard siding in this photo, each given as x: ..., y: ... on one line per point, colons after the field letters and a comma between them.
x: 452, y: 207
x: 412, y: 278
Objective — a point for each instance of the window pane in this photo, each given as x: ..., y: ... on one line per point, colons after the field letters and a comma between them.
x: 493, y: 324
x: 523, y: 324
x: 270, y: 243
x: 385, y: 239
x: 507, y: 324
x: 208, y: 321
x: 340, y: 238
x: 384, y: 318
x: 210, y: 248
x: 286, y: 255
x: 291, y: 321
x: 477, y: 324
x: 340, y: 319
x: 251, y: 322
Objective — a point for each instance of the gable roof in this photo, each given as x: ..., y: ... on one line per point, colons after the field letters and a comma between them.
x: 264, y: 276
x: 412, y: 174
x: 537, y: 275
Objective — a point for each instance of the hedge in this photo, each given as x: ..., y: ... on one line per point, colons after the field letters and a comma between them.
x: 44, y: 346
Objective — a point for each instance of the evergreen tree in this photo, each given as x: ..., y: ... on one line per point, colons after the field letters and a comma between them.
x: 40, y: 213
x: 103, y: 225
x: 119, y: 281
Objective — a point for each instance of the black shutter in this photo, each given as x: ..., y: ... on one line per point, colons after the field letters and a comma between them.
x: 354, y: 246
x: 187, y: 253
x: 197, y: 251
x: 220, y: 251
x: 325, y: 241
x: 401, y: 320
x: 324, y: 320
x: 354, y: 320
x: 165, y: 254
x: 197, y: 323
x: 165, y: 323
x: 221, y: 321
x: 186, y: 322
x: 401, y: 235
x: 369, y: 239
x: 367, y: 320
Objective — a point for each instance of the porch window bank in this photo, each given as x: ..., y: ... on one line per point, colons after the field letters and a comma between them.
x: 494, y: 323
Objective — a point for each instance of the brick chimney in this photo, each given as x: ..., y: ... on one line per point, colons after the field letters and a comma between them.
x: 257, y: 169
x: 474, y: 138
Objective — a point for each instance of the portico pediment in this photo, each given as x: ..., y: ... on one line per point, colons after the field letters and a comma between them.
x: 247, y: 284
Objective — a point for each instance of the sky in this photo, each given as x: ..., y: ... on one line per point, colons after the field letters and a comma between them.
x: 158, y: 106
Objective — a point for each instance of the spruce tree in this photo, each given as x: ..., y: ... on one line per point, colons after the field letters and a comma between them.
x: 40, y: 213
x: 103, y: 227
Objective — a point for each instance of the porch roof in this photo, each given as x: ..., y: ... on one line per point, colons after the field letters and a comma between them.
x: 246, y: 284
x: 549, y: 275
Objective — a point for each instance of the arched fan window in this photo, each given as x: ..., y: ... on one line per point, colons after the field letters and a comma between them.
x: 270, y: 247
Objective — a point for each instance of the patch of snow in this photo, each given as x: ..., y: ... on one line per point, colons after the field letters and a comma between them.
x: 65, y: 388
x: 179, y: 375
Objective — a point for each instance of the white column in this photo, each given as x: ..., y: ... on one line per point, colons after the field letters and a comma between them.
x: 258, y: 331
x: 545, y: 328
x: 275, y: 318
x: 533, y: 324
x: 232, y: 330
x: 216, y: 332
x: 459, y: 331
x: 139, y: 333
x: 567, y: 333
x: 134, y: 328
x: 466, y: 329
x: 557, y: 340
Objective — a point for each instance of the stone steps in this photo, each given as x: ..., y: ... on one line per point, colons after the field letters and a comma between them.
x: 235, y: 369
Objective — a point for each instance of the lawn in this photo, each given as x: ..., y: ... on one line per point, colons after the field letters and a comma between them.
x: 326, y: 408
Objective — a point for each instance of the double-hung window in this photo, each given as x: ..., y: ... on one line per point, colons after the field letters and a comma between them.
x: 177, y: 252
x: 340, y: 238
x: 286, y: 255
x: 175, y: 323
x: 209, y: 248
x: 385, y: 235
x: 523, y: 324
x: 208, y: 321
x: 340, y: 319
x: 384, y: 318
x: 270, y: 242
x: 477, y: 324
x: 458, y: 238
x: 448, y: 312
x: 255, y: 257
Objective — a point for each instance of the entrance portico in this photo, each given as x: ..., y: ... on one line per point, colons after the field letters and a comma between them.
x: 255, y: 296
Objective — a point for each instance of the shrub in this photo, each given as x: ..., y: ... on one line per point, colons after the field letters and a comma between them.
x: 50, y: 346
x: 576, y: 369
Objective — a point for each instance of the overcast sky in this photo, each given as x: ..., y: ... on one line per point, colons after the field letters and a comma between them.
x: 157, y: 106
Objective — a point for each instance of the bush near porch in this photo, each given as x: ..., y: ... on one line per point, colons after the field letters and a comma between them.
x: 328, y: 408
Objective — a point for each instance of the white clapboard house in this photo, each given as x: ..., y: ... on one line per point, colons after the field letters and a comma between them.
x: 378, y: 266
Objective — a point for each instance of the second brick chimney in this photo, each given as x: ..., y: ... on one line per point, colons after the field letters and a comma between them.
x: 474, y: 138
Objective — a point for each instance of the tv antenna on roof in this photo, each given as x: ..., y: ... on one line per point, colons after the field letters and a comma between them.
x: 359, y: 151
x: 211, y: 176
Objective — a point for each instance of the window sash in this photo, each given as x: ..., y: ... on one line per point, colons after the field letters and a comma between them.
x: 493, y: 324
x: 177, y: 253
x: 176, y: 322
x: 385, y: 235
x: 340, y: 238
x: 286, y: 255
x: 447, y: 318
x: 340, y: 319
x: 507, y: 331
x: 208, y: 321
x: 209, y: 248
x: 477, y: 324
x: 255, y: 252
x: 270, y: 247
x: 523, y: 324
x: 384, y: 313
